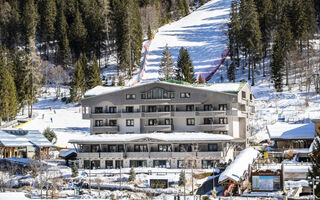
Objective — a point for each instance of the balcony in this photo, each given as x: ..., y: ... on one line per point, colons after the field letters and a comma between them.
x: 156, y: 128
x: 184, y: 114
x: 111, y: 155
x: 160, y: 155
x: 214, y: 127
x: 139, y: 155
x: 131, y: 114
x: 86, y: 116
x: 182, y: 155
x: 213, y: 113
x: 157, y: 114
x: 210, y: 154
x: 88, y: 155
x: 105, y: 129
x: 105, y: 115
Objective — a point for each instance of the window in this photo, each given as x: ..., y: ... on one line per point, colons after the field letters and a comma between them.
x: 212, y: 147
x: 164, y: 147
x: 140, y: 148
x: 190, y: 121
x: 171, y: 95
x: 130, y: 122
x: 112, y: 122
x: 152, y: 108
x: 112, y: 109
x: 223, y: 132
x: 223, y: 120
x: 207, y: 121
x: 166, y: 108
x: 180, y: 164
x: 208, y: 164
x: 143, y: 96
x: 165, y: 94
x: 243, y: 94
x: 251, y: 97
x: 222, y: 106
x: 207, y: 107
x: 98, y: 110
x: 95, y: 148
x: 138, y: 163
x: 119, y: 164
x: 161, y: 163
x: 129, y: 109
x: 152, y: 122
x: 190, y: 107
x: 120, y: 148
x: 167, y: 122
x: 185, y: 95
x: 95, y: 164
x: 109, y: 164
x: 98, y: 123
x: 130, y: 96
x: 185, y: 148
x: 112, y: 148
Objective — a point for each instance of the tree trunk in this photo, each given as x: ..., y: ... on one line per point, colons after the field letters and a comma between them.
x: 0, y: 120
x: 249, y: 77
x: 252, y: 73
x: 287, y: 74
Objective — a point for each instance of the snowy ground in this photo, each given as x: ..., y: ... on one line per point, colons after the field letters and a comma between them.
x: 202, y: 32
x: 67, y: 123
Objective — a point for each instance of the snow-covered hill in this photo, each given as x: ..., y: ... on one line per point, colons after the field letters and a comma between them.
x: 202, y: 32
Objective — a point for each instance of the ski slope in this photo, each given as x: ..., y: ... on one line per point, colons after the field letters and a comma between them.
x: 67, y: 120
x: 202, y: 32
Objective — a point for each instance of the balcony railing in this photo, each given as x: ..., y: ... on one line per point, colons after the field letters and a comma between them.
x: 137, y: 154
x: 210, y: 154
x: 155, y: 128
x: 111, y: 155
x: 214, y: 113
x: 105, y: 128
x: 156, y: 114
x: 214, y: 127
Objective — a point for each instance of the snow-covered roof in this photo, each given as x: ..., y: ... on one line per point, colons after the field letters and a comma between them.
x: 65, y: 152
x: 285, y: 131
x: 288, y: 168
x: 238, y: 167
x: 216, y: 87
x: 165, y: 137
x: 23, y: 138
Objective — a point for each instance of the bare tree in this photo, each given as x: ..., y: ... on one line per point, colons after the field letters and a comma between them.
x: 59, y: 75
x: 45, y: 69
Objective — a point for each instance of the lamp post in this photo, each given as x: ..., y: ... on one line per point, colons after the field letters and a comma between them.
x: 314, y: 182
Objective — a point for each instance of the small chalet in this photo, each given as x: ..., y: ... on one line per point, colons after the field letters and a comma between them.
x: 291, y: 139
x: 24, y: 144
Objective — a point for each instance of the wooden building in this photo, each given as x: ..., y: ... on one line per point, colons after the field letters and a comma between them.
x: 24, y: 144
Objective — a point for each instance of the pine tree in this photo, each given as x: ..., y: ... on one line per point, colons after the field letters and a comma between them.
x: 85, y: 67
x: 231, y: 72
x: 78, y: 34
x: 200, y: 79
x: 63, y: 57
x: 182, y: 178
x: 149, y: 33
x: 48, y: 11
x: 75, y: 171
x: 20, y: 73
x: 120, y: 19
x: 78, y: 84
x: 94, y: 75
x: 50, y: 135
x: 30, y: 19
x: 185, y: 71
x: 132, y: 176
x: 166, y: 66
x: 234, y: 32
x: 277, y: 63
x: 8, y: 96
x: 315, y: 159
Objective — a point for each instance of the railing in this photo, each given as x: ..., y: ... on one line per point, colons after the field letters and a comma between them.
x: 213, y: 113
x: 105, y: 128
x: 137, y: 155
x: 111, y: 155
x: 213, y: 127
